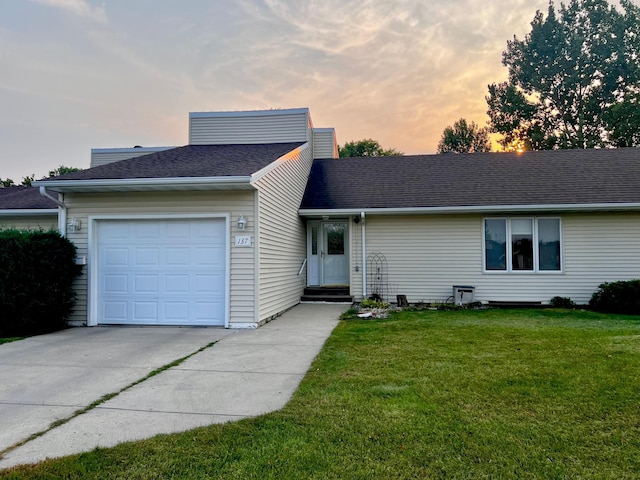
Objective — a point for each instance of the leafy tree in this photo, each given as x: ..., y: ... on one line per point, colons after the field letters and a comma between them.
x: 464, y: 137
x: 365, y: 148
x: 61, y: 170
x: 26, y: 181
x: 574, y: 80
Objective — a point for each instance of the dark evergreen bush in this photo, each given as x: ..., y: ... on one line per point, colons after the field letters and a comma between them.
x: 562, y: 302
x: 617, y: 297
x: 37, y: 269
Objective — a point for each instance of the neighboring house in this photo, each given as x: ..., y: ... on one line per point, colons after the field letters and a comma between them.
x: 23, y: 207
x: 230, y: 229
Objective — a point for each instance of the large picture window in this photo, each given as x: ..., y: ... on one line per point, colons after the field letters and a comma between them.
x: 522, y: 245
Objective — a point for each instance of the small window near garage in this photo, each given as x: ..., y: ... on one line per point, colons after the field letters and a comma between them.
x: 522, y: 245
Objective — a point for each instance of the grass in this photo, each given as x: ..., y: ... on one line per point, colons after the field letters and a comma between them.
x: 10, y: 339
x: 438, y: 394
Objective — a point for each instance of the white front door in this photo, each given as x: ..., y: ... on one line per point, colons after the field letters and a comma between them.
x: 335, y: 261
x: 162, y: 272
x: 328, y: 253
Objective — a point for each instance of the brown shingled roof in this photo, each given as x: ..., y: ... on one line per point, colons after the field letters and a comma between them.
x: 24, y: 198
x: 189, y: 161
x: 555, y: 177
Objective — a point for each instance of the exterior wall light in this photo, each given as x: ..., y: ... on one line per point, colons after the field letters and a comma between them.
x: 242, y: 223
x: 74, y: 225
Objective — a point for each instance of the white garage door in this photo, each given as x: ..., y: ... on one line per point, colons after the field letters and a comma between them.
x: 162, y: 272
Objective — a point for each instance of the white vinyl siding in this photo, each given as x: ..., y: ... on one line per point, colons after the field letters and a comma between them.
x: 277, y: 126
x: 427, y: 255
x: 30, y: 222
x: 324, y: 143
x: 282, y: 234
x: 242, y: 301
x: 102, y: 156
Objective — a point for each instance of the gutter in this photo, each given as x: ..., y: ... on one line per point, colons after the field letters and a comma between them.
x: 62, y: 210
x: 27, y: 212
x: 591, y: 207
x: 146, y: 184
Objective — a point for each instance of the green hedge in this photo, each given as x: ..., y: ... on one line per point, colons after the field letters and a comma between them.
x: 37, y: 269
x: 617, y: 297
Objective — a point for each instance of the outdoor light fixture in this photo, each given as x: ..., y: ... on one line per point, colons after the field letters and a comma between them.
x: 74, y: 225
x: 242, y: 222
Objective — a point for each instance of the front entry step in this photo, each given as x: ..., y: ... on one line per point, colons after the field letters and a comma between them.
x: 327, y: 294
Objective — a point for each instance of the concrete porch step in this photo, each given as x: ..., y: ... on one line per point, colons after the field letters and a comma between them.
x: 332, y: 294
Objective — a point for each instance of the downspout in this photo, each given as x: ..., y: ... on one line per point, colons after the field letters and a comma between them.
x: 364, y: 256
x: 62, y: 209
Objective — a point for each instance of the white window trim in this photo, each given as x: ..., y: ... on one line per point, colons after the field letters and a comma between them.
x: 536, y: 265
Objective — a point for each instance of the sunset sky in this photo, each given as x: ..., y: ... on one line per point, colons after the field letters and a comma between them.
x: 82, y: 74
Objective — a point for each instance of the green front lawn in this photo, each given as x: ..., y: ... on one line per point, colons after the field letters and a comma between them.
x: 466, y: 395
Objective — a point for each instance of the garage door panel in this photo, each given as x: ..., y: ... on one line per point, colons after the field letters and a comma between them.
x: 145, y: 278
x: 145, y: 230
x: 204, y: 310
x: 115, y: 312
x: 176, y: 283
x: 145, y: 284
x: 118, y: 257
x: 179, y: 230
x: 178, y: 256
x: 177, y: 312
x: 116, y: 284
x: 147, y: 256
x: 145, y: 312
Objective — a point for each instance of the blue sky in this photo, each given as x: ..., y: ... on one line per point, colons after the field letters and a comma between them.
x: 82, y: 74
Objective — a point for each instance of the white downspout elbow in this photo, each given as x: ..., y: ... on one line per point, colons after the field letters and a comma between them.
x: 62, y: 211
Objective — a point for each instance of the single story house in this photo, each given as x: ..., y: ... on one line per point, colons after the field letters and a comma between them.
x: 231, y: 229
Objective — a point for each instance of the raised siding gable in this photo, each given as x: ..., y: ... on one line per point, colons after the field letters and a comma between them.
x: 250, y: 127
x: 324, y: 143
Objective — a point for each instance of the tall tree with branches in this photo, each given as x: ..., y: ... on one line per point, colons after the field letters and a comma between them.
x: 464, y: 137
x: 574, y: 80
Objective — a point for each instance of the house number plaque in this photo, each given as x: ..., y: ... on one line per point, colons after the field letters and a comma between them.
x: 243, y: 241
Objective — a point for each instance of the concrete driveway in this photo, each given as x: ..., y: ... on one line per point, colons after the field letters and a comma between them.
x: 228, y: 375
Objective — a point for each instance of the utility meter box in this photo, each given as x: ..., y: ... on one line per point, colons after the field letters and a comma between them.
x: 463, y: 294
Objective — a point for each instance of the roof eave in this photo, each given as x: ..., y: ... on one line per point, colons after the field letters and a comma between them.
x: 148, y: 184
x: 592, y: 207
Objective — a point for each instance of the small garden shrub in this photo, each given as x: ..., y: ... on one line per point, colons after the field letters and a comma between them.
x: 562, y: 302
x: 617, y: 297
x: 372, y: 303
x: 351, y: 313
x: 37, y: 269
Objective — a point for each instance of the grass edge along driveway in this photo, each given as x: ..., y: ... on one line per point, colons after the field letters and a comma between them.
x: 452, y: 394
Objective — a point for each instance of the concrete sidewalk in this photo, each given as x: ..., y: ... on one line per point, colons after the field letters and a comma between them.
x: 244, y: 374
